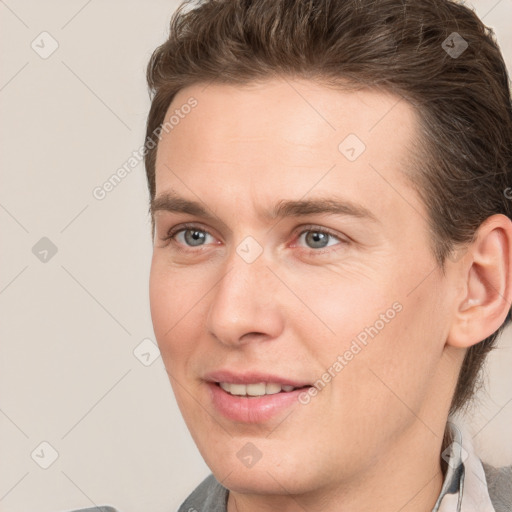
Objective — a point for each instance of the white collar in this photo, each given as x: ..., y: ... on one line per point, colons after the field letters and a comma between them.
x: 465, y: 486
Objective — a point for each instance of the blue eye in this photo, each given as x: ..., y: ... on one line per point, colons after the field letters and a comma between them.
x: 192, y: 237
x: 318, y: 238
x: 187, y: 237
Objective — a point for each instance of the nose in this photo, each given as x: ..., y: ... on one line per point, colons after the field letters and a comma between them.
x: 245, y: 304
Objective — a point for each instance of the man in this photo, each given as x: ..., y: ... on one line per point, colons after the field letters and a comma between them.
x: 332, y: 248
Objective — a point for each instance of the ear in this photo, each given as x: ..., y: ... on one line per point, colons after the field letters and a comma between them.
x: 486, y: 274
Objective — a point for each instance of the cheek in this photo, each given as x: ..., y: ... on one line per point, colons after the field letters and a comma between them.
x: 401, y: 359
x: 167, y: 297
x: 175, y: 303
x: 387, y: 338
x: 344, y: 305
x: 170, y: 291
x: 161, y: 300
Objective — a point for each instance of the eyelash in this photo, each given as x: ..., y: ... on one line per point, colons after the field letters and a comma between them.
x: 315, y: 229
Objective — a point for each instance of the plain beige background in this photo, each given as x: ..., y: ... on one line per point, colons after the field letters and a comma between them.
x: 73, y: 372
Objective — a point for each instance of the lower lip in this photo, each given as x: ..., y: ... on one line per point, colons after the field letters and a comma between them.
x: 253, y: 409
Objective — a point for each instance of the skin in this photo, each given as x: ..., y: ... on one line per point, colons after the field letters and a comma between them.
x: 378, y: 425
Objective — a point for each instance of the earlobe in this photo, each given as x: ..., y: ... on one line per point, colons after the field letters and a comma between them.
x: 486, y: 272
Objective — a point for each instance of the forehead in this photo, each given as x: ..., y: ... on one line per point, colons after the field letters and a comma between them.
x: 262, y: 103
x: 292, y: 137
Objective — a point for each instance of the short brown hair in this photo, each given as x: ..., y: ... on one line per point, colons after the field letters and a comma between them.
x: 464, y: 158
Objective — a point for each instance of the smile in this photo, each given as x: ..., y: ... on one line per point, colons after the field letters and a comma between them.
x: 252, y: 403
x: 254, y: 390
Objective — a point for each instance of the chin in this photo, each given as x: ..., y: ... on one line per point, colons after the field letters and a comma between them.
x: 250, y: 481
x: 264, y: 477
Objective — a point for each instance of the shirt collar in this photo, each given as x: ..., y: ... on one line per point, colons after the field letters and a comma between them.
x: 465, y: 486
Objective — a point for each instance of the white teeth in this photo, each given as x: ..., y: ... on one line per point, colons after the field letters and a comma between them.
x: 272, y: 389
x: 258, y: 389
x: 225, y: 386
x: 237, y: 389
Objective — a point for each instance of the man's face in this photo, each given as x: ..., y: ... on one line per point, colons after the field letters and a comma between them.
x: 271, y: 298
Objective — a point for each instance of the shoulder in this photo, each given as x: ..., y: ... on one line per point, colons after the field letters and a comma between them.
x: 499, y: 484
x: 208, y: 496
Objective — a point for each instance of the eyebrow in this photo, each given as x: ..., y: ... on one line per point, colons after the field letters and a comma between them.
x: 171, y: 202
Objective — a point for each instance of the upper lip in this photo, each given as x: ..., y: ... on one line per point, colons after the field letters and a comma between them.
x: 252, y: 377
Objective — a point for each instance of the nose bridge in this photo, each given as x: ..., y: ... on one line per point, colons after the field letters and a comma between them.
x: 244, y: 299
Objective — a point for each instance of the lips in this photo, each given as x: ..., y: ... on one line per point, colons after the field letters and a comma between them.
x: 252, y: 397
